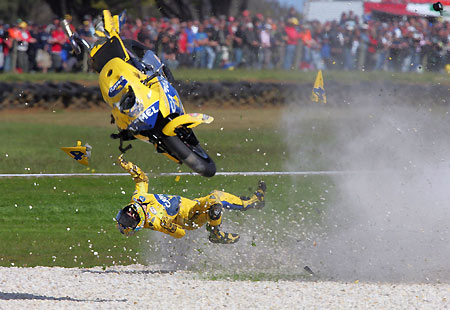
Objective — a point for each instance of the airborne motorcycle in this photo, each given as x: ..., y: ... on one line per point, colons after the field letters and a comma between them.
x: 145, y: 106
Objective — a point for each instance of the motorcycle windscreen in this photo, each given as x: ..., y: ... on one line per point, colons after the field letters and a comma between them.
x: 152, y: 61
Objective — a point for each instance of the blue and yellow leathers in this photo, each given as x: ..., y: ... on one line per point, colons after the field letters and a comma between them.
x: 173, y: 215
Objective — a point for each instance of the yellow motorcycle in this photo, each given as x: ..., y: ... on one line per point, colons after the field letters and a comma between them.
x: 138, y: 88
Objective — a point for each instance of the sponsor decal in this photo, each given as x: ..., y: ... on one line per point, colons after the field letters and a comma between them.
x: 117, y: 87
x: 152, y: 110
x: 170, y: 203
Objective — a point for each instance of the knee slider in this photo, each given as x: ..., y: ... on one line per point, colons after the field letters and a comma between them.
x: 215, y: 212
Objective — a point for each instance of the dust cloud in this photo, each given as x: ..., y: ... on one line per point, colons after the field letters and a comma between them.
x: 389, y: 219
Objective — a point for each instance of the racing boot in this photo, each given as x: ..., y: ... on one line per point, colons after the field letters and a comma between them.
x: 257, y: 199
x: 218, y: 236
x: 215, y: 234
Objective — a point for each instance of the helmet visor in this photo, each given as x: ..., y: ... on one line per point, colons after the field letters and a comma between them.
x: 128, y: 217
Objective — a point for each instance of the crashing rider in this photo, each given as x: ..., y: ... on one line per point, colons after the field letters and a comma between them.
x: 173, y: 215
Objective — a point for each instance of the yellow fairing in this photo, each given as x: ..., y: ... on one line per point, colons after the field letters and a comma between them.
x: 193, y: 119
x: 115, y: 79
x: 108, y: 22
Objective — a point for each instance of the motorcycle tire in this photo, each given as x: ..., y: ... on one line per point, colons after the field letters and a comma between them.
x: 193, y: 156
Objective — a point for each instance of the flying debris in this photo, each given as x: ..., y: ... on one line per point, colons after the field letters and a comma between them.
x: 318, y: 91
x: 308, y: 270
x: 438, y: 7
x: 80, y: 153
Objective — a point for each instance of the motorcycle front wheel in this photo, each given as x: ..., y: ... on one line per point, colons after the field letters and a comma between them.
x: 193, y: 156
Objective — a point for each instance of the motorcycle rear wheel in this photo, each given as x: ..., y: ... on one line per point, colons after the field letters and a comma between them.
x: 193, y: 156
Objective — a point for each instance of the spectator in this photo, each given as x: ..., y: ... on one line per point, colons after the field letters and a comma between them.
x: 144, y: 37
x: 201, y: 41
x: 383, y: 51
x: 363, y: 48
x: 250, y: 46
x: 24, y: 39
x: 350, y: 46
x: 3, y: 38
x: 224, y: 47
x: 238, y: 44
x: 291, y: 42
x: 279, y: 45
x: 400, y: 44
x: 170, y: 49
x: 57, y: 40
x: 266, y: 46
x: 212, y: 46
x: 183, y: 54
x: 372, y: 49
x: 337, y: 45
x: 43, y: 58
x: 307, y: 43
x: 325, y: 52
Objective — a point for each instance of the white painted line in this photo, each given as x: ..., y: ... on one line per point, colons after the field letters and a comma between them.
x: 244, y: 173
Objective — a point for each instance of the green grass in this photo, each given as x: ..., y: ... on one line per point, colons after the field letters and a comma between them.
x: 69, y: 221
x: 32, y: 146
x: 203, y: 75
x: 61, y: 222
x: 65, y: 221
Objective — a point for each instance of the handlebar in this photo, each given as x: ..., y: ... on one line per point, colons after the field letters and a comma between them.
x: 151, y: 77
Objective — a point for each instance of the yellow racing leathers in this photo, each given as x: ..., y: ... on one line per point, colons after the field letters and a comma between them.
x: 173, y: 215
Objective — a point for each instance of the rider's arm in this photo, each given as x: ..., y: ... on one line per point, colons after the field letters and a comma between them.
x: 137, y: 174
x: 170, y: 228
x: 164, y: 222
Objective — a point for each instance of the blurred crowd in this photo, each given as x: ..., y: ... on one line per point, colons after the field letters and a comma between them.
x: 249, y: 41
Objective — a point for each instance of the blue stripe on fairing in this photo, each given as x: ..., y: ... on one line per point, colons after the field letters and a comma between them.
x: 231, y: 206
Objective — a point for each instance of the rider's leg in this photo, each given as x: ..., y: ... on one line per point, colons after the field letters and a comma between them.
x: 213, y: 226
x: 230, y: 201
x: 209, y: 209
x: 206, y: 210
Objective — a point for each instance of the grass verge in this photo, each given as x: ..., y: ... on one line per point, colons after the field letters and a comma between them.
x: 203, y: 75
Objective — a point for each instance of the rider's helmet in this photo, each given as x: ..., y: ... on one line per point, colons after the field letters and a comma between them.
x: 132, y: 217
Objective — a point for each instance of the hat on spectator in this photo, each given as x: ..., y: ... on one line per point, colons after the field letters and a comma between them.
x: 245, y: 13
x: 23, y: 24
x: 294, y: 21
x: 231, y: 19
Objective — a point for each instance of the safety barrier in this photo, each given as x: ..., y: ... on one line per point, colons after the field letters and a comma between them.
x: 60, y: 95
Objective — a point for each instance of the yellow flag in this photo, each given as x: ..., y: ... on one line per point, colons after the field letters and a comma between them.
x: 80, y: 153
x: 318, y: 91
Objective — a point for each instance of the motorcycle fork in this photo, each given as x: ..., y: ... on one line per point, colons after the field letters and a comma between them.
x: 186, y: 135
